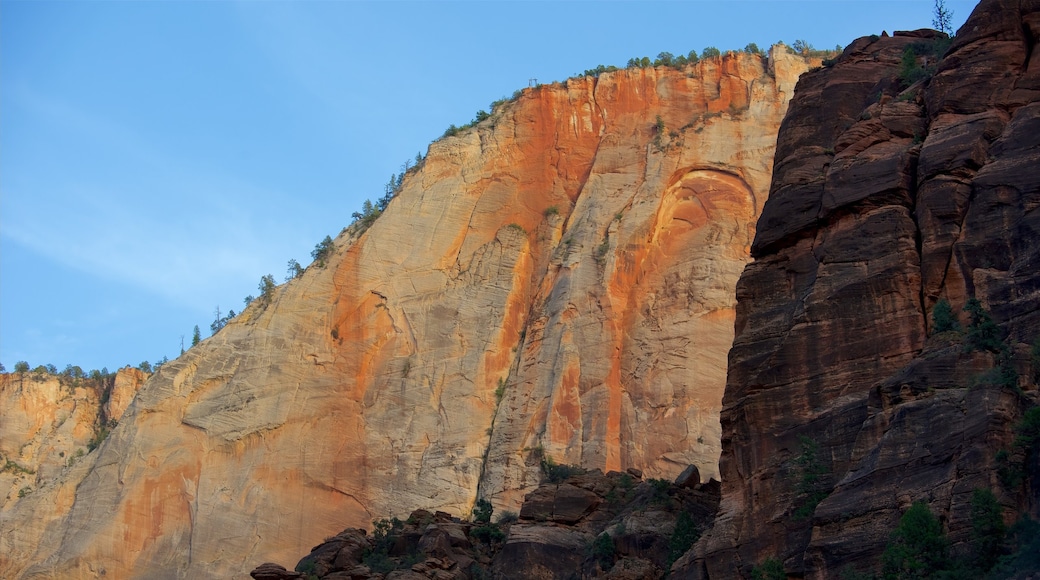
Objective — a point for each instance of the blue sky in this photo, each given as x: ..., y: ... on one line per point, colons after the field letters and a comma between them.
x: 158, y: 158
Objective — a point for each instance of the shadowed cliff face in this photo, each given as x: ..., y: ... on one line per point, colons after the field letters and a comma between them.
x: 556, y: 281
x: 884, y: 201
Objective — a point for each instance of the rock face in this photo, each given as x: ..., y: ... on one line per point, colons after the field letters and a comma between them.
x: 50, y: 424
x: 557, y: 281
x: 590, y: 525
x: 840, y: 409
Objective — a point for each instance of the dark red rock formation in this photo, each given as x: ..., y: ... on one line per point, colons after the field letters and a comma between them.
x: 639, y: 525
x: 884, y: 200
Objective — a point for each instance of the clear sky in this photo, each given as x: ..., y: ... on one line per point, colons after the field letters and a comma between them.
x: 158, y: 158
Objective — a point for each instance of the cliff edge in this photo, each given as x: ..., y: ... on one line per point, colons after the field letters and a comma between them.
x: 556, y: 281
x: 900, y: 183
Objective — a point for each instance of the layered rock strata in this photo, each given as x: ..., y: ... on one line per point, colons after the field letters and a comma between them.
x: 48, y: 425
x: 840, y: 409
x: 589, y: 525
x: 554, y: 282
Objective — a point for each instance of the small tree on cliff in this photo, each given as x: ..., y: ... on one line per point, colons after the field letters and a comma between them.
x: 943, y: 319
x: 266, y: 289
x: 983, y: 333
x: 918, y: 547
x: 942, y: 17
x: 323, y: 249
x: 196, y: 336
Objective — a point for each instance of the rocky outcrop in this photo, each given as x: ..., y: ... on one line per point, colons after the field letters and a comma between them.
x: 556, y: 281
x: 124, y: 387
x: 589, y: 525
x: 50, y: 424
x: 840, y: 408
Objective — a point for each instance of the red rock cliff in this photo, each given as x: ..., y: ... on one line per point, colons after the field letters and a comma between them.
x: 557, y: 279
x: 883, y: 202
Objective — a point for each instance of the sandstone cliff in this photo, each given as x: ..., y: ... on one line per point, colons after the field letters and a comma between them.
x: 49, y: 423
x: 883, y: 202
x: 556, y: 281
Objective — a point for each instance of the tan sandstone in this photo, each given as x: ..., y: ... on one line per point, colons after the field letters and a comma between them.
x: 558, y: 280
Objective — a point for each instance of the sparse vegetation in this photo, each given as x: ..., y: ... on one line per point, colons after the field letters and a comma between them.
x: 918, y: 547
x: 942, y: 17
x: 219, y: 321
x: 14, y: 467
x: 983, y: 333
x: 294, y: 270
x: 507, y: 517
x: 683, y: 538
x: 603, y: 551
x: 770, y: 569
x: 323, y: 250
x: 600, y: 69
x: 556, y: 473
x: 266, y: 287
x: 810, y: 472
x: 943, y: 319
x: 1012, y: 463
x: 500, y: 391
x: 919, y: 60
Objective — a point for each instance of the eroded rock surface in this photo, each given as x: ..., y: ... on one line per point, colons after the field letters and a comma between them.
x: 883, y: 202
x: 623, y: 528
x: 558, y: 278
x: 50, y: 428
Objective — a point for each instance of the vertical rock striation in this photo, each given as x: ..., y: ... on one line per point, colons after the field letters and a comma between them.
x: 557, y: 281
x: 884, y: 201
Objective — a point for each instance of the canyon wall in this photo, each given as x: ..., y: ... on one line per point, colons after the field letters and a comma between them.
x: 555, y: 282
x: 843, y: 404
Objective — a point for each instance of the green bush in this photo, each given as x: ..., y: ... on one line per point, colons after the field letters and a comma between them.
x: 770, y: 569
x: 323, y: 250
x: 482, y: 511
x: 266, y: 289
x: 919, y: 60
x: 294, y: 270
x: 710, y: 51
x: 685, y: 534
x: 21, y: 367
x: 500, y: 391
x: 810, y: 473
x: 943, y: 319
x: 603, y: 551
x: 983, y: 333
x: 488, y: 533
x: 507, y: 517
x: 556, y: 473
x: 918, y: 547
x: 987, y: 529
x: 1024, y: 548
x: 600, y: 69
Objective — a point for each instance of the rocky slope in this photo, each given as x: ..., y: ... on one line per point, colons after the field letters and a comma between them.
x: 557, y: 281
x: 843, y: 405
x: 586, y: 525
